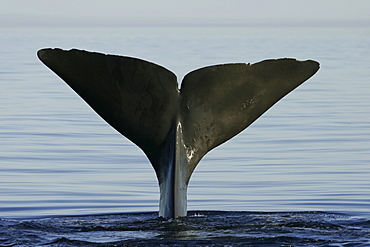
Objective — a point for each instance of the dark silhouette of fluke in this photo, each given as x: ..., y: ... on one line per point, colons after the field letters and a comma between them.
x: 176, y: 128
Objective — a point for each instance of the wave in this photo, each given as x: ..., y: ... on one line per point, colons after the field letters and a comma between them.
x: 199, y: 228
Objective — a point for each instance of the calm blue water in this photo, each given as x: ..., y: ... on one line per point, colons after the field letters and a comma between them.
x: 309, y: 153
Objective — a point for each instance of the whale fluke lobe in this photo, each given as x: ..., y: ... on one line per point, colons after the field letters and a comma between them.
x: 176, y: 128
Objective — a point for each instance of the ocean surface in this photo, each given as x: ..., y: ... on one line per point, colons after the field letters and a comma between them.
x: 299, y: 175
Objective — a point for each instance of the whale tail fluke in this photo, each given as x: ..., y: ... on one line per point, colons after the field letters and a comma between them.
x: 176, y: 128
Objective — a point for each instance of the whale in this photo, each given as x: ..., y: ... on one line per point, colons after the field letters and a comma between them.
x: 176, y: 127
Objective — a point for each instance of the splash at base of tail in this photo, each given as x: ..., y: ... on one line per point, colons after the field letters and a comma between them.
x: 176, y: 128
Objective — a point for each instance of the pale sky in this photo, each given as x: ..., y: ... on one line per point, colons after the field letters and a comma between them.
x: 185, y: 12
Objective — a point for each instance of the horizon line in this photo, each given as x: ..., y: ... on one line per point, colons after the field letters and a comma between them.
x: 208, y: 24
